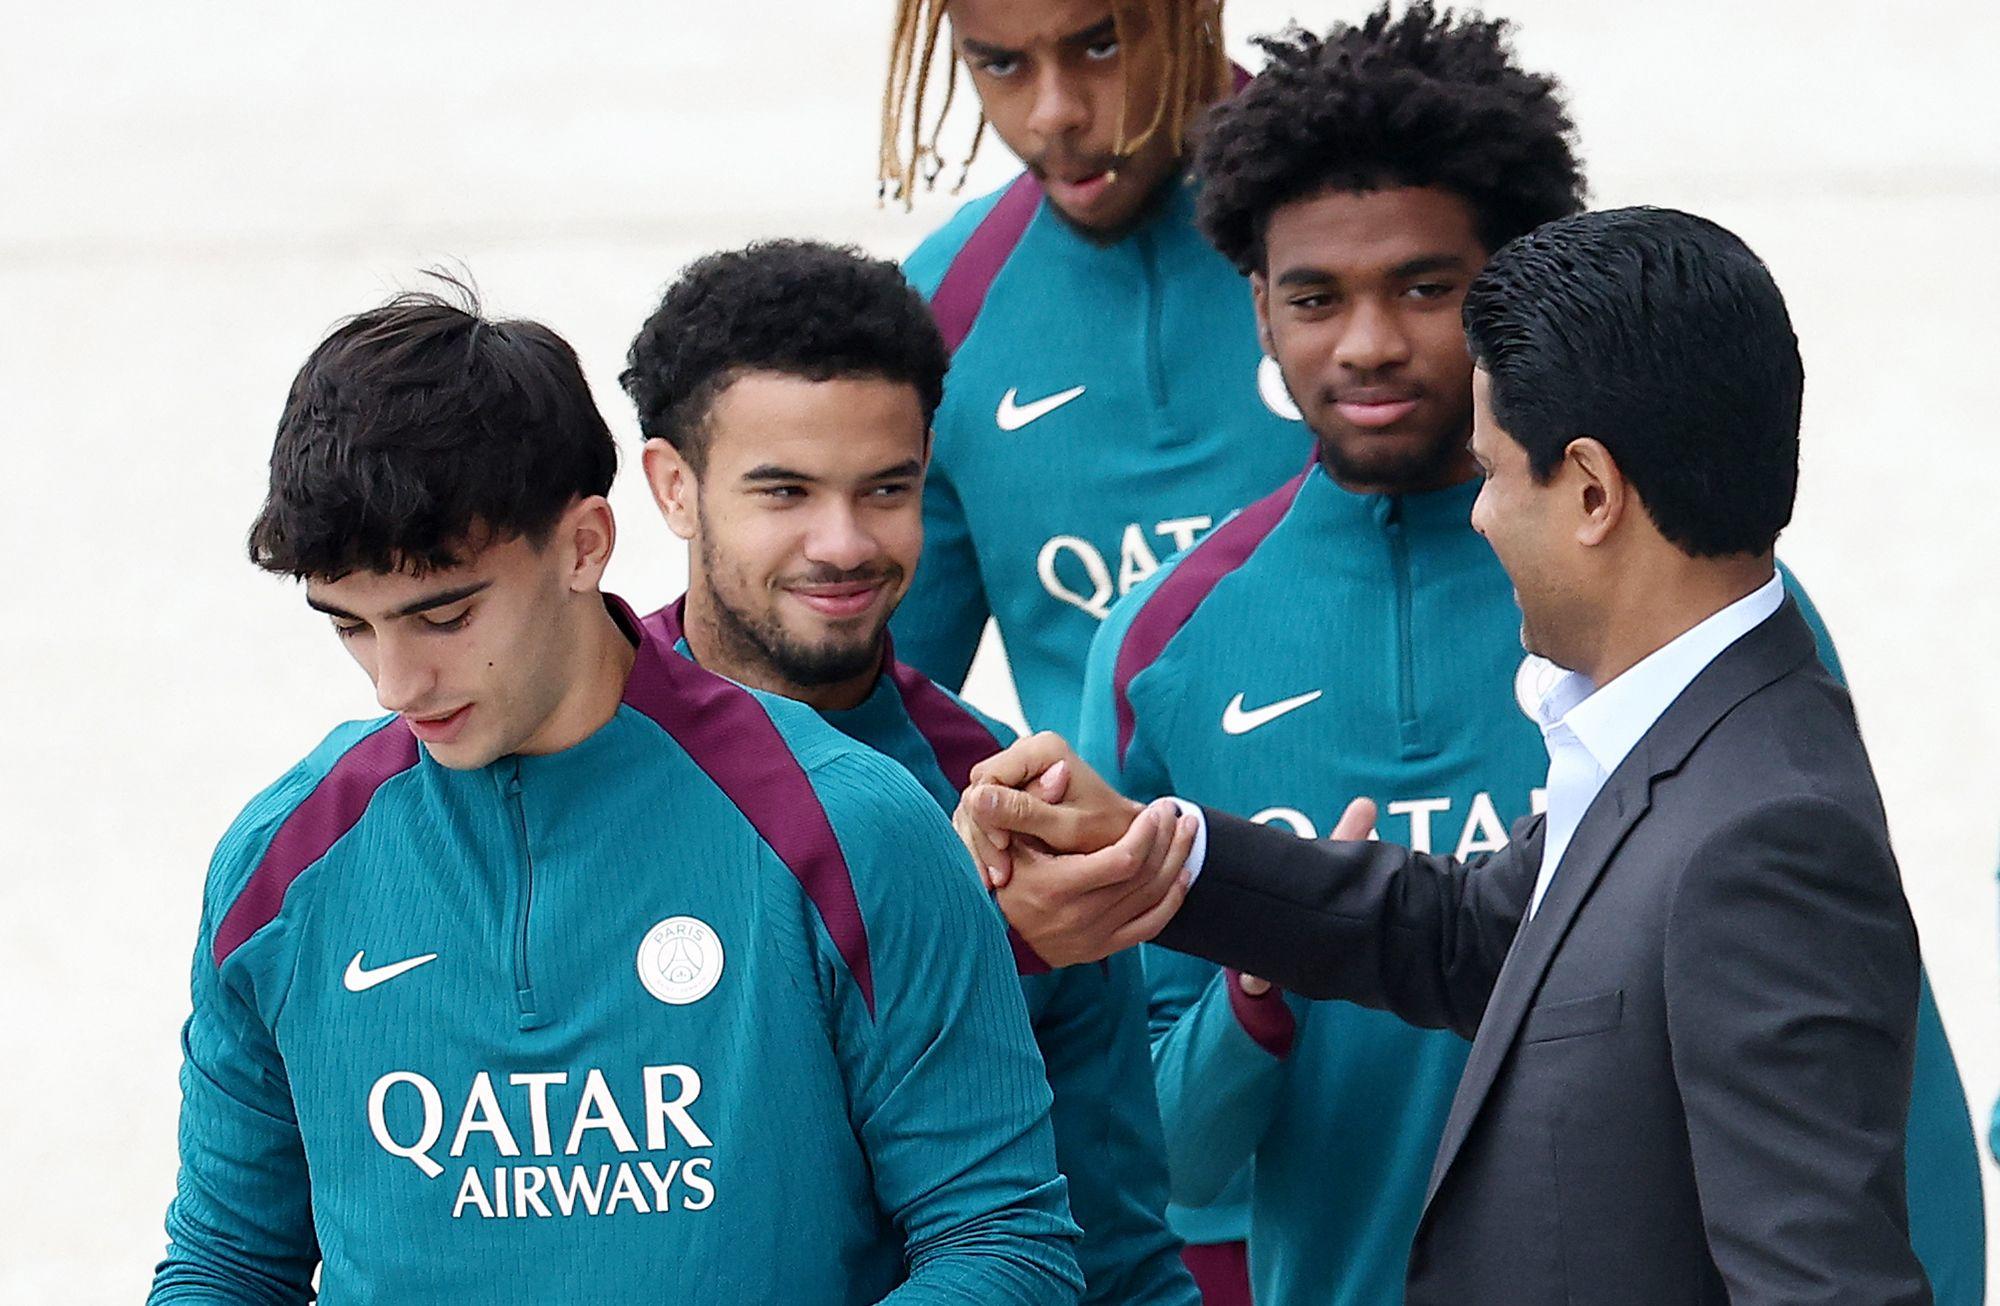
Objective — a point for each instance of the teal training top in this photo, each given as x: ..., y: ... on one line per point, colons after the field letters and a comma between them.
x: 1107, y: 404
x: 1089, y: 1021
x: 1325, y: 645
x: 704, y: 1008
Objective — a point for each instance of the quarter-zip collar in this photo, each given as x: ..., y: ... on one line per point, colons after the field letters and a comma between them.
x: 1427, y: 512
x: 1403, y: 525
x: 515, y: 785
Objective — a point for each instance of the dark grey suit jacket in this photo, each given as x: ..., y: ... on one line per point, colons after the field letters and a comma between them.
x: 1690, y: 1070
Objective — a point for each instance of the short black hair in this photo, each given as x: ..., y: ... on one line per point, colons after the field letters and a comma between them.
x: 419, y: 429
x: 1661, y: 335
x: 1428, y: 99
x: 796, y: 307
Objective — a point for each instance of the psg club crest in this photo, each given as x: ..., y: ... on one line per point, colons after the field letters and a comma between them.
x: 680, y: 960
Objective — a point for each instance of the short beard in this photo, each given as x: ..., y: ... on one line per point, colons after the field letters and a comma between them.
x: 765, y: 644
x: 807, y: 666
x: 1403, y: 473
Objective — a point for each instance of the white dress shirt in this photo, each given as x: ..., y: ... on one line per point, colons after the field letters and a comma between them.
x: 1588, y: 730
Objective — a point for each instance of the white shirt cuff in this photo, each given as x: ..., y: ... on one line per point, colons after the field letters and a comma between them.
x: 1199, y: 853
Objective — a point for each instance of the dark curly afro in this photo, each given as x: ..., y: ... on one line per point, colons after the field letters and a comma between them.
x: 792, y: 306
x: 1428, y: 99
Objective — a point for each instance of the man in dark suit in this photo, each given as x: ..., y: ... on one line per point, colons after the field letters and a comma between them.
x: 1691, y: 984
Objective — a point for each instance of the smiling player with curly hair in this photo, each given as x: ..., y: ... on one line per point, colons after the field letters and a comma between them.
x: 785, y: 392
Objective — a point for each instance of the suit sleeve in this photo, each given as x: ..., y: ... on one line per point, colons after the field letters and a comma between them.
x: 1947, y: 1206
x: 1791, y: 988
x: 1377, y: 924
x: 946, y: 1088
x: 938, y: 625
x: 239, y: 1227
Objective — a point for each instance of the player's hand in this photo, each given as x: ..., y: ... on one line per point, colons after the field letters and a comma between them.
x: 1355, y: 823
x: 1078, y: 907
x: 1039, y: 788
x: 995, y: 860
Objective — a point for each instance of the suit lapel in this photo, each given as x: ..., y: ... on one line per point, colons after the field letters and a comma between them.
x: 1609, y: 818
x: 1773, y: 649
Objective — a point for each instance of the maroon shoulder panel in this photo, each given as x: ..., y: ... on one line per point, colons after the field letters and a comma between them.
x: 1193, y: 578
x: 960, y: 742
x: 730, y: 737
x: 314, y: 826
x: 962, y: 293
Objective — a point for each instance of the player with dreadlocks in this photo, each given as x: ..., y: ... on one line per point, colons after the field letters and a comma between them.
x: 1107, y: 402
x: 1192, y: 73
x: 1103, y: 408
x: 1351, y: 634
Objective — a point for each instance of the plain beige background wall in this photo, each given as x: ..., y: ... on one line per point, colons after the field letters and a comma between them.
x: 191, y: 194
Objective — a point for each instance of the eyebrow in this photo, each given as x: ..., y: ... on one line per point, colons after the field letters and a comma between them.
x: 444, y: 598
x: 1103, y: 30
x: 990, y: 53
x: 769, y: 472
x: 773, y: 472
x: 1414, y: 267
x: 907, y: 468
x: 1423, y: 263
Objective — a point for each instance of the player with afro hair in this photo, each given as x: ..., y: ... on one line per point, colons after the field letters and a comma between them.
x: 1424, y: 100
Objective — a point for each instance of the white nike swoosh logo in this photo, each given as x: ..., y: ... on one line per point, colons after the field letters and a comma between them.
x: 359, y: 980
x: 1012, y: 417
x: 1236, y: 721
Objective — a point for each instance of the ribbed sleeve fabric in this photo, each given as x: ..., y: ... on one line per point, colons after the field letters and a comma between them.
x: 1219, y: 1085
x: 239, y: 1227
x: 946, y: 1087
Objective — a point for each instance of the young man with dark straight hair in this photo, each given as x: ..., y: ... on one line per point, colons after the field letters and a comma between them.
x: 1360, y: 181
x: 583, y: 972
x: 1691, y: 984
x: 785, y: 391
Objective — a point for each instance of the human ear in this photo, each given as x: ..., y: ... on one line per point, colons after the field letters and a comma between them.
x: 590, y: 532
x: 1602, y: 495
x: 1260, y: 297
x: 674, y: 486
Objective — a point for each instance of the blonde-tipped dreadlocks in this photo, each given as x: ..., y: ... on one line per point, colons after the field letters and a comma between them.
x: 1197, y: 73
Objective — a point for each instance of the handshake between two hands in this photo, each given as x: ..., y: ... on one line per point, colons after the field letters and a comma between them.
x: 1080, y: 870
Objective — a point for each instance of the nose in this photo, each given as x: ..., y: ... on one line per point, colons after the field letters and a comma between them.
x: 1372, y: 338
x: 404, y: 679
x: 1059, y: 109
x: 1480, y: 512
x: 839, y: 539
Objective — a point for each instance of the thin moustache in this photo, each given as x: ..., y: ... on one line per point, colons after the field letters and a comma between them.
x: 821, y: 582
x: 1375, y: 394
x: 1064, y: 168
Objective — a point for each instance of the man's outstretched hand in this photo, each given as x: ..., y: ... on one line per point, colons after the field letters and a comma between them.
x: 1080, y: 870
x: 1041, y: 789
